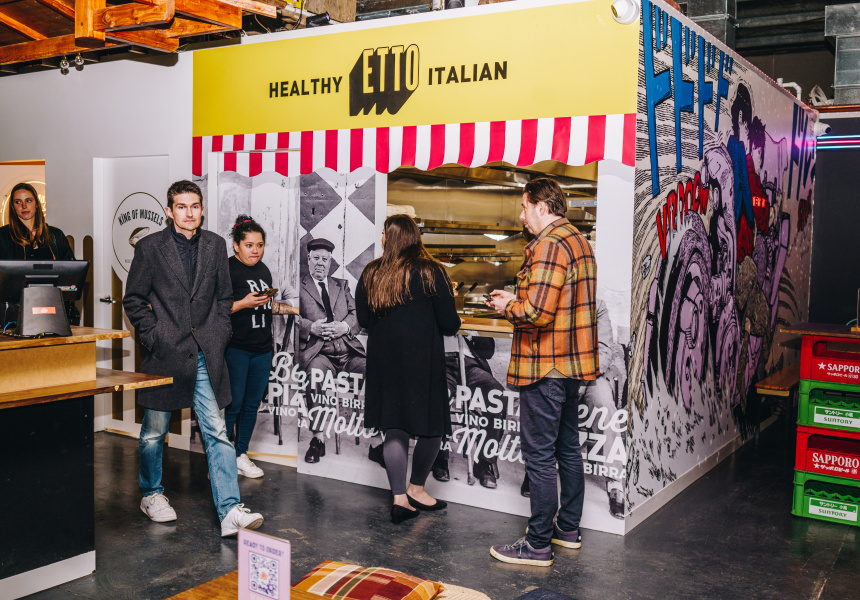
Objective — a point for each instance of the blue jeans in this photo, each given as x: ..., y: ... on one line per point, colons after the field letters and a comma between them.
x: 549, y: 430
x: 219, y: 451
x: 249, y: 379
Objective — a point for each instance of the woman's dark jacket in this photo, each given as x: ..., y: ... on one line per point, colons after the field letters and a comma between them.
x: 406, y: 387
x: 9, y: 250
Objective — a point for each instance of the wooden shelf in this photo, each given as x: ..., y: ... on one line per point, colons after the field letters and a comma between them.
x: 465, y: 227
x: 822, y: 329
x: 80, y: 335
x: 107, y: 380
x: 489, y: 325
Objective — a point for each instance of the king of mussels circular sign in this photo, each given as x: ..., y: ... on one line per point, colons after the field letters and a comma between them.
x: 138, y: 215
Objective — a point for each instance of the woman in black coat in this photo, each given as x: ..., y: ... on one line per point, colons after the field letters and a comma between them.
x: 405, y: 301
x: 29, y: 237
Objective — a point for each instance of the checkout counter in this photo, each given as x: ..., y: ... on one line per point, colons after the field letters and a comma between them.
x: 47, y: 496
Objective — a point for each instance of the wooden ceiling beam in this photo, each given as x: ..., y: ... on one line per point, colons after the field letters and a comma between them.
x: 20, y: 27
x: 63, y: 7
x: 86, y: 33
x: 208, y: 11
x: 154, y: 39
x: 184, y: 28
x: 40, y: 49
x: 259, y: 8
x: 133, y: 16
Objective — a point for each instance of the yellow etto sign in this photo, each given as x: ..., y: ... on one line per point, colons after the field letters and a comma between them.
x: 552, y: 61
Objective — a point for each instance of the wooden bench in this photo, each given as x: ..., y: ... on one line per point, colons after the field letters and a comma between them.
x: 781, y: 386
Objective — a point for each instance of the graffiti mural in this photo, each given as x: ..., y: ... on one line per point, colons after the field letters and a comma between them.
x: 723, y: 192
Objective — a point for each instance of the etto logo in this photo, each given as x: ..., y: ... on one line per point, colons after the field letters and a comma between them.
x: 383, y: 77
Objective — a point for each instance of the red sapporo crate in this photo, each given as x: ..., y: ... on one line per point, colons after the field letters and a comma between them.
x: 828, y: 452
x: 830, y: 359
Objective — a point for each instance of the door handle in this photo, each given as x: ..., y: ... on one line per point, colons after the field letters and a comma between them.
x: 107, y: 300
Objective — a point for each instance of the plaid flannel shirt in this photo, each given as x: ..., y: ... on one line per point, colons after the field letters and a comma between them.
x: 555, y: 312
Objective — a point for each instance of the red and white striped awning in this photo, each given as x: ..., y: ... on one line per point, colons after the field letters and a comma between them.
x: 574, y: 141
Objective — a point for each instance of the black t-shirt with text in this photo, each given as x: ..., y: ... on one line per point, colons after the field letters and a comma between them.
x: 252, y: 327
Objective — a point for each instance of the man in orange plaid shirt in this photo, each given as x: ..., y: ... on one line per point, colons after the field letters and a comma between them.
x: 554, y: 314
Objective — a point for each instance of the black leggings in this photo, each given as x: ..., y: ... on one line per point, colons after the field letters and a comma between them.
x: 396, y: 450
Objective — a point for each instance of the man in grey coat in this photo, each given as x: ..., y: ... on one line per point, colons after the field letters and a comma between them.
x: 178, y: 298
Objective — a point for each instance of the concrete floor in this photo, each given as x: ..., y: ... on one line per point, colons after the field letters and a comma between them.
x: 729, y: 535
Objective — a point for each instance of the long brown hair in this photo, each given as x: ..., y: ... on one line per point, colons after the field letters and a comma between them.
x: 387, y: 278
x: 18, y: 231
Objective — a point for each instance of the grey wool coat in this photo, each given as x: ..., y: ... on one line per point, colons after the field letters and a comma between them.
x: 173, y: 320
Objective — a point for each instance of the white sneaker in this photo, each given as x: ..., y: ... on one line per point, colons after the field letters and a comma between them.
x: 157, y: 507
x: 247, y: 467
x: 238, y: 518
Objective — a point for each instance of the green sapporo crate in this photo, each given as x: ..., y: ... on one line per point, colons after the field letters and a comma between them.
x: 827, y: 498
x: 831, y: 405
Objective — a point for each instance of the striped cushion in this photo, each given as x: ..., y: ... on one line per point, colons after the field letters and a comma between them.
x: 351, y: 582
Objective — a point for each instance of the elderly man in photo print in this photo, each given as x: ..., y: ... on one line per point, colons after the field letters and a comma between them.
x: 327, y: 330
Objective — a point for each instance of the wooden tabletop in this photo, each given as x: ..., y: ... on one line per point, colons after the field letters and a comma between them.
x: 491, y: 325
x: 822, y: 329
x: 79, y: 335
x: 226, y: 587
x: 106, y: 380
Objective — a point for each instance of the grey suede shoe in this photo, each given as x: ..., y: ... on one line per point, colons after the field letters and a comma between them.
x: 521, y: 553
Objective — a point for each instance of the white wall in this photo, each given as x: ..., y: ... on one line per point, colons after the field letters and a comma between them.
x: 116, y: 109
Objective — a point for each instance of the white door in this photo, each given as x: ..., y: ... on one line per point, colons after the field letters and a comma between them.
x: 128, y: 199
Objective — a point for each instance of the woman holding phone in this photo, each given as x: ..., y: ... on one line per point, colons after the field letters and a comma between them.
x: 406, y: 303
x: 249, y: 354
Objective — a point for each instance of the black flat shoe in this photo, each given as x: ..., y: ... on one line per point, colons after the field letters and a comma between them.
x: 440, y: 504
x: 374, y: 453
x: 401, y: 513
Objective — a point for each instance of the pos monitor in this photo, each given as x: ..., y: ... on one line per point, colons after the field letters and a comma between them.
x: 40, y: 288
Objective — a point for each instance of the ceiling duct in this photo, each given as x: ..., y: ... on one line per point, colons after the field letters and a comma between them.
x: 717, y: 17
x: 842, y: 21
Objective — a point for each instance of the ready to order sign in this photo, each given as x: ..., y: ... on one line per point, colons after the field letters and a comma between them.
x: 843, y: 511
x: 565, y: 60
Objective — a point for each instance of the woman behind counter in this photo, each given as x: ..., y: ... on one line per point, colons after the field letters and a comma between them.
x: 28, y: 236
x: 405, y: 301
x: 249, y: 355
